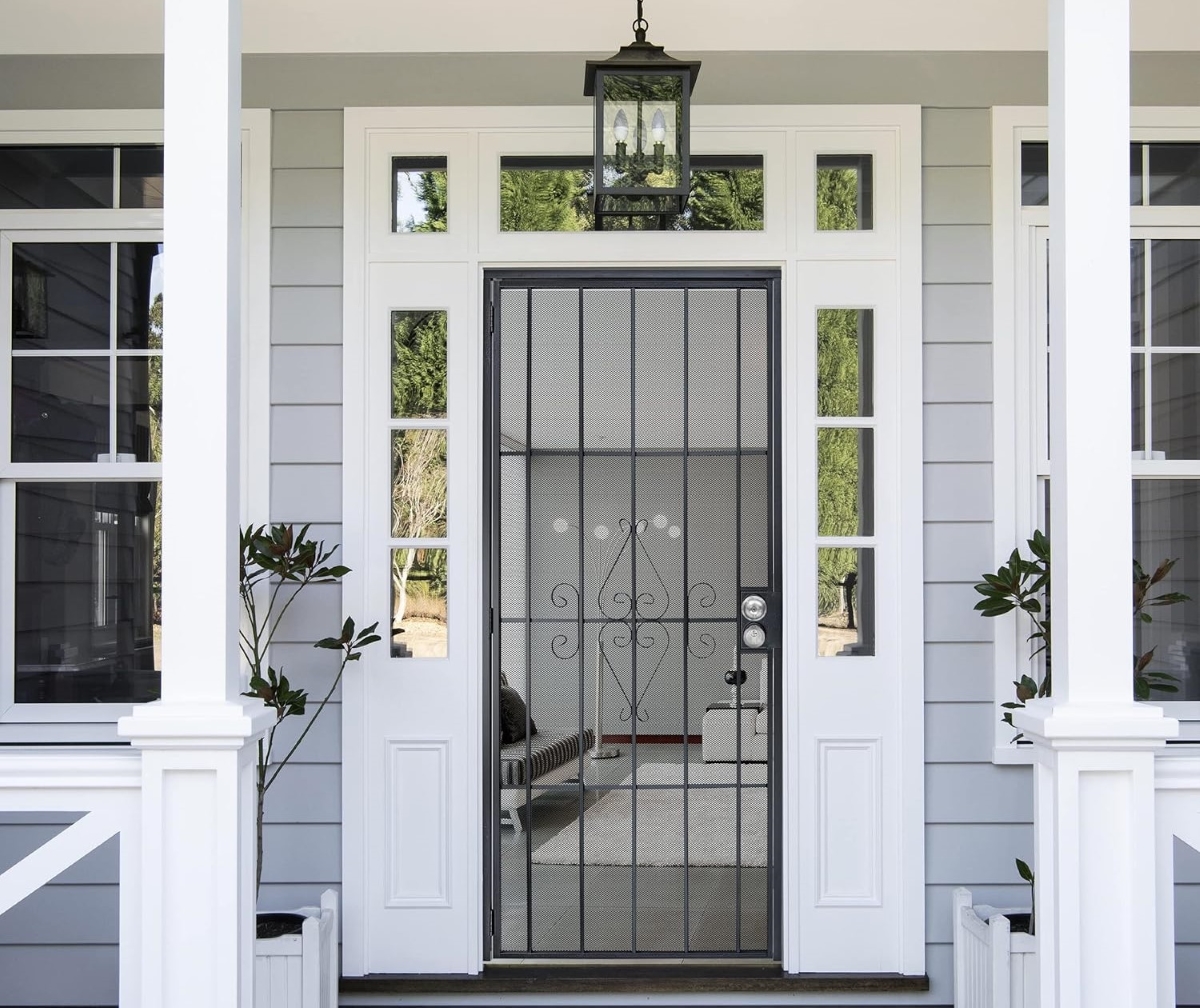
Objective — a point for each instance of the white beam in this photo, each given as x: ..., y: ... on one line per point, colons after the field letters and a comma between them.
x: 1094, y: 746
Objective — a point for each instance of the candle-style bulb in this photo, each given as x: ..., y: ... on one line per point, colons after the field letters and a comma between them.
x: 620, y: 126
x: 658, y: 126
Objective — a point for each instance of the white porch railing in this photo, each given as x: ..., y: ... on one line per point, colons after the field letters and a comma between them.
x: 994, y: 968
x: 105, y: 785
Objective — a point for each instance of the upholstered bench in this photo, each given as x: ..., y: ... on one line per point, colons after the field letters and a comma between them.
x: 552, y: 759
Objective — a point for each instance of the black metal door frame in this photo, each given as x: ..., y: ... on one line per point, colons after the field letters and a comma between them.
x: 657, y: 278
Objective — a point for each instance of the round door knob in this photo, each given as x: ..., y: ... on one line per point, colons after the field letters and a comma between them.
x: 754, y: 608
x: 754, y: 636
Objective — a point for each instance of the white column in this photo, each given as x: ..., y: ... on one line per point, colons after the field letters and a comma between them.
x: 1094, y: 746
x: 197, y: 856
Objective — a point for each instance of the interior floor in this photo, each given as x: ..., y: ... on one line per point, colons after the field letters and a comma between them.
x: 679, y: 908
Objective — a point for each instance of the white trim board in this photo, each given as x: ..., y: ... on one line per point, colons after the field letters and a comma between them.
x: 880, y: 269
x: 1018, y: 382
x: 76, y: 723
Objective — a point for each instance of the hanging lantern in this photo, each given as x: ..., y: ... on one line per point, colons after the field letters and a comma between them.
x: 642, y: 98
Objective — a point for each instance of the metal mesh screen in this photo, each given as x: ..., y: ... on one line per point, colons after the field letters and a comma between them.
x: 633, y: 483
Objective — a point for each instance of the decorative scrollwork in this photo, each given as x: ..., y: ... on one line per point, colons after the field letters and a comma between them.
x: 707, y: 646
x: 706, y: 595
x: 562, y: 595
x: 559, y: 645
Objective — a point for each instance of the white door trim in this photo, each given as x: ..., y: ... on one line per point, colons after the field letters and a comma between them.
x: 473, y: 139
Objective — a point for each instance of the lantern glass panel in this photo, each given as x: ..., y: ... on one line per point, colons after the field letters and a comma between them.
x: 642, y: 132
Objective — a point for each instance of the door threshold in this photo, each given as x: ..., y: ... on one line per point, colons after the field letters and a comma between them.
x: 628, y: 976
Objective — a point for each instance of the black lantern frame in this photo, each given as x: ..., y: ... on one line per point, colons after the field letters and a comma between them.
x: 642, y: 174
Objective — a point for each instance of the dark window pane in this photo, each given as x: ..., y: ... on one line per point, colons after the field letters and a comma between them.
x: 1175, y: 292
x: 139, y: 321
x: 1175, y: 174
x: 419, y: 197
x: 139, y: 409
x: 1138, y: 393
x: 54, y: 178
x: 1137, y: 290
x: 1175, y: 405
x: 1135, y: 174
x: 60, y: 409
x: 141, y: 177
x: 87, y: 593
x: 61, y: 296
x: 1035, y: 174
x: 845, y: 195
x: 1166, y: 526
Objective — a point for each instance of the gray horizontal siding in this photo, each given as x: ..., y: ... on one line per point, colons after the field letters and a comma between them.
x: 302, y: 838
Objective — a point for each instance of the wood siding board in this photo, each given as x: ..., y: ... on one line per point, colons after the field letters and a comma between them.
x: 306, y: 139
x: 956, y: 137
x: 957, y: 492
x: 306, y: 434
x: 958, y: 313
x: 957, y: 672
x: 957, y: 253
x: 306, y: 197
x: 308, y: 667
x: 303, y: 853
x: 306, y: 256
x: 959, y: 733
x: 956, y: 195
x: 306, y: 792
x: 307, y: 315
x: 957, y: 551
x: 65, y: 914
x: 306, y: 375
x: 59, y: 974
x: 978, y: 792
x: 958, y: 373
x: 306, y: 493
x: 322, y: 746
x: 981, y: 852
x: 958, y: 432
x: 100, y: 866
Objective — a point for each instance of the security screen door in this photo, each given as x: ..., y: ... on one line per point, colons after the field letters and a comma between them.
x: 633, y: 580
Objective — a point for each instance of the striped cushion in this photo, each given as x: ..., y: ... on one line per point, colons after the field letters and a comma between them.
x: 547, y: 751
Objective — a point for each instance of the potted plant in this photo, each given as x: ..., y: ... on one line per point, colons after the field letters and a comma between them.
x: 296, y: 962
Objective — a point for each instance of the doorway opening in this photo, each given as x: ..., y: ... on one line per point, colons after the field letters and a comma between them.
x: 633, y: 594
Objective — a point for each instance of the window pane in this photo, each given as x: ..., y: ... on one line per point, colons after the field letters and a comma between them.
x: 1035, y: 174
x: 554, y: 193
x: 419, y: 194
x: 844, y: 192
x: 845, y: 601
x: 141, y: 177
x: 1137, y: 285
x: 845, y: 482
x: 1175, y: 405
x: 1136, y: 170
x: 61, y: 296
x: 139, y: 409
x: 1175, y: 292
x: 845, y: 351
x: 418, y: 364
x: 52, y: 178
x: 1166, y: 525
x: 139, y: 296
x: 59, y: 409
x: 1138, y: 395
x: 419, y: 603
x: 418, y: 484
x: 87, y: 593
x: 1175, y: 174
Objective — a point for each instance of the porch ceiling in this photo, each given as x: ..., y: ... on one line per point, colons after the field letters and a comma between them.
x: 576, y: 26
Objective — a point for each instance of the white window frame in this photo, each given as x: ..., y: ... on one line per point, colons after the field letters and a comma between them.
x: 1019, y: 378
x: 886, y: 264
x: 92, y: 723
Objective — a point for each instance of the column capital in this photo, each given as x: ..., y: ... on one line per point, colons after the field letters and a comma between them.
x: 166, y: 725
x: 1064, y: 725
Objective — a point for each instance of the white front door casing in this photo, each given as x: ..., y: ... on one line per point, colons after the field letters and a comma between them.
x: 414, y: 759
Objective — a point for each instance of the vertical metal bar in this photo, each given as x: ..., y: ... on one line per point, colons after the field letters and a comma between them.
x: 737, y: 538
x: 633, y: 621
x: 774, y: 681
x: 687, y: 636
x: 114, y: 256
x: 492, y: 938
x: 1147, y: 341
x: 580, y: 625
x: 528, y: 614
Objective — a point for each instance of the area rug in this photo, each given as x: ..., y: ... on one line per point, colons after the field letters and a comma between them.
x: 712, y: 821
